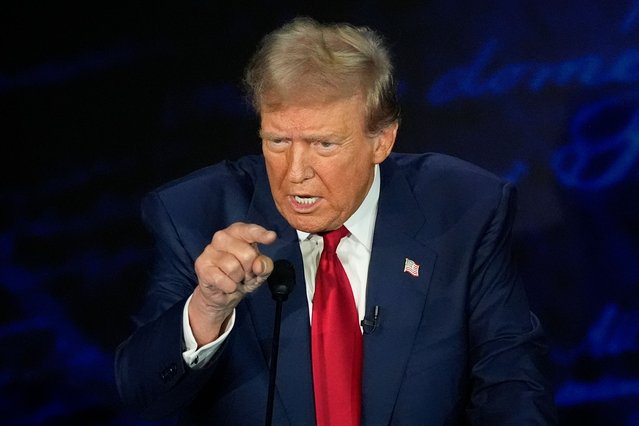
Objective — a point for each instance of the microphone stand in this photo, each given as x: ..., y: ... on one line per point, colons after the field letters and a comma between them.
x: 281, y: 282
x: 273, y: 367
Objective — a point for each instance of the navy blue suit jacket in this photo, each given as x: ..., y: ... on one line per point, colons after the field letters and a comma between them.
x: 455, y: 345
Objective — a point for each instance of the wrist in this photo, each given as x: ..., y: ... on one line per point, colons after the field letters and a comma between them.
x: 207, y: 322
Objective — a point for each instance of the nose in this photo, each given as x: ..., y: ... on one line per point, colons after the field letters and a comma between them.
x: 299, y: 162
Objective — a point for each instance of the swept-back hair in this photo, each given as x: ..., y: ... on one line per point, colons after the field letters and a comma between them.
x: 306, y: 61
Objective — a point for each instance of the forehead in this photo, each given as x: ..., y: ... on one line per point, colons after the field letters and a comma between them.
x: 344, y: 113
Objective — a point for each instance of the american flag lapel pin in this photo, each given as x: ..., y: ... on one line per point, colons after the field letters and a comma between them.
x: 411, y: 267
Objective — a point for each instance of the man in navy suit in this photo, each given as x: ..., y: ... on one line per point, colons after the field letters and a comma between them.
x: 447, y: 333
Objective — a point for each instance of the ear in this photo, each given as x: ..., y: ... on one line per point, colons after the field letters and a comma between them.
x: 384, y: 142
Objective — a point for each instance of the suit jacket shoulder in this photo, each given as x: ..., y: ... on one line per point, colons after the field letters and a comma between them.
x: 204, y: 201
x: 225, y: 188
x: 433, y: 174
x: 446, y: 189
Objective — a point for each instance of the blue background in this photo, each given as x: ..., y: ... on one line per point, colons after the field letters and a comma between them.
x: 102, y: 101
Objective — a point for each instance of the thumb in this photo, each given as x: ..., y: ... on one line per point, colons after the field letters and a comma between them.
x: 262, y: 266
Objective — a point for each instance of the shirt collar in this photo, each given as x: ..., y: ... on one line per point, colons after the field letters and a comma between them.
x: 361, y: 223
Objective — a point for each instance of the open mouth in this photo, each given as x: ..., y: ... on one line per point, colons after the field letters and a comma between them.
x: 305, y: 200
x: 304, y: 203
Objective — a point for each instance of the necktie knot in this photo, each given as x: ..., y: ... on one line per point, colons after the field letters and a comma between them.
x: 332, y: 238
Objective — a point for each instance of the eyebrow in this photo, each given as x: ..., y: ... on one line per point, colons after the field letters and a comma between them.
x: 310, y: 138
x: 268, y: 135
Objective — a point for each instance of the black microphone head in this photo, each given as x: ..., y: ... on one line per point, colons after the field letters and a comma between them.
x: 282, y: 279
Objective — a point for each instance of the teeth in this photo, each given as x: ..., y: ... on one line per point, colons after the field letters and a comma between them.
x: 305, y: 200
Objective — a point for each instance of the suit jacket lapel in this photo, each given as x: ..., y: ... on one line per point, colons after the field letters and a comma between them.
x: 294, y: 387
x: 399, y: 295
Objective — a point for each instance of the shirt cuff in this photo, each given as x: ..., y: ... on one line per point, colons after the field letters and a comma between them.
x: 197, y: 358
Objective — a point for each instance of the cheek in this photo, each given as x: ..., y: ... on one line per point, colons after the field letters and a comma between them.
x: 275, y: 170
x: 273, y: 182
x: 348, y: 182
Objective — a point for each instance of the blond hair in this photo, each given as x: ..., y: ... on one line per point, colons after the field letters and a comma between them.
x: 308, y: 61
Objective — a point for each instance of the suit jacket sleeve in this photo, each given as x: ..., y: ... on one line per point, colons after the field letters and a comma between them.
x: 507, y: 351
x: 151, y: 375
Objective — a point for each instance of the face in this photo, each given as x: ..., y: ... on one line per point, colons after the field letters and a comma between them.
x: 320, y: 160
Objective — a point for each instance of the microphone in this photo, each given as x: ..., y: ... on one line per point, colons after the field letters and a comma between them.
x: 282, y: 280
x: 281, y: 283
x: 370, y: 326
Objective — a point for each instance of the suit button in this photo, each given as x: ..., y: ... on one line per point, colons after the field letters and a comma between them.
x: 168, y: 373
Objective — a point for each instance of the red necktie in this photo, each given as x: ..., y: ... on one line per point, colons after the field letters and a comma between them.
x: 336, y: 341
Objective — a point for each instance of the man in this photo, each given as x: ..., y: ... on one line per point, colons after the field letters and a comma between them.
x: 436, y: 323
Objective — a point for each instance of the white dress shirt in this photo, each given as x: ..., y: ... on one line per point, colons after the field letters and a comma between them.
x: 354, y: 251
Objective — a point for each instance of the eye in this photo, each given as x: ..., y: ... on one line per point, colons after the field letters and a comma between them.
x: 277, y: 145
x: 325, y: 147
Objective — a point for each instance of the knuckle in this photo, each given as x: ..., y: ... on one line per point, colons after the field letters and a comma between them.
x: 237, y: 228
x: 200, y: 266
x: 217, y: 281
x: 205, y: 260
x: 221, y: 283
x: 219, y: 236
x: 237, y: 275
x: 199, y: 271
x: 247, y: 256
x: 252, y: 227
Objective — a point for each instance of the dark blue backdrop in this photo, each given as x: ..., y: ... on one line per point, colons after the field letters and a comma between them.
x: 105, y: 100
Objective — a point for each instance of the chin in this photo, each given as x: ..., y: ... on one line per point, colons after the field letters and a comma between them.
x: 301, y: 226
x: 305, y: 225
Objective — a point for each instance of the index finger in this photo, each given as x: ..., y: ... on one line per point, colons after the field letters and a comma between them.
x: 252, y: 233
